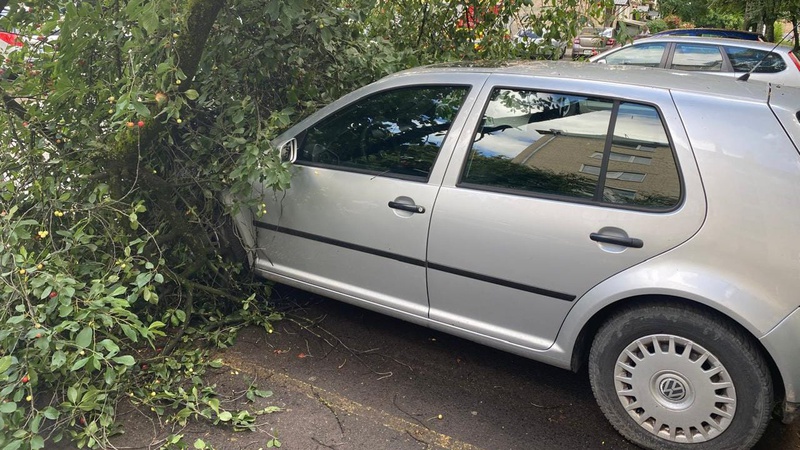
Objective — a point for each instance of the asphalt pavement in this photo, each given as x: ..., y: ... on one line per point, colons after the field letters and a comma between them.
x: 347, y: 378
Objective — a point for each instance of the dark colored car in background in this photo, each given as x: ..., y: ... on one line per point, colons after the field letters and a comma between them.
x: 713, y: 32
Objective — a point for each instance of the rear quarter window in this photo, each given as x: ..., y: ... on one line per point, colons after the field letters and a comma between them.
x: 747, y: 59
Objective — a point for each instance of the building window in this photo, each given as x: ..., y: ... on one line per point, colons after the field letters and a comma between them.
x: 614, y: 175
x: 623, y: 157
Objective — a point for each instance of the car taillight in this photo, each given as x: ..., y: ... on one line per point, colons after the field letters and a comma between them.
x: 611, y: 41
x: 10, y: 39
x: 794, y: 59
x: 576, y: 41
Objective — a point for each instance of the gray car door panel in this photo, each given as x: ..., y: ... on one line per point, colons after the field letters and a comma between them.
x: 353, y: 226
x: 511, y: 264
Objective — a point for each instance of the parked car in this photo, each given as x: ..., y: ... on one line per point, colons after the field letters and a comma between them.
x: 636, y: 221
x: 592, y: 41
x: 538, y: 47
x: 713, y: 32
x: 718, y: 56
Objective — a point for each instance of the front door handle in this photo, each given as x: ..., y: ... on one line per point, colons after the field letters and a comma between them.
x: 404, y: 207
x: 617, y: 240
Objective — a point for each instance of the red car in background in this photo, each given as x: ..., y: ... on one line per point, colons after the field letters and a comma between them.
x: 9, y: 40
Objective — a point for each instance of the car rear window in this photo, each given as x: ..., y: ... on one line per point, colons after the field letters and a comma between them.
x: 746, y: 59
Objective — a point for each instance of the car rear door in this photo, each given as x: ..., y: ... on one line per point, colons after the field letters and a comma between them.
x: 523, y: 225
x: 354, y: 223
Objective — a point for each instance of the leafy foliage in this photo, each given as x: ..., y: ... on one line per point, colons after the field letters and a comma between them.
x: 123, y: 123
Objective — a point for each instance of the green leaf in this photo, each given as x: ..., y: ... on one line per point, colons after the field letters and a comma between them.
x: 72, y: 394
x: 130, y: 333
x: 110, y: 376
x: 13, y: 445
x: 5, y: 363
x: 217, y: 363
x: 200, y: 444
x: 37, y: 442
x: 51, y: 413
x: 225, y: 416
x: 191, y: 94
x: 79, y: 364
x: 143, y: 278
x: 110, y: 346
x: 214, y: 404
x: 126, y: 360
x: 262, y: 393
x: 58, y: 360
x: 8, y: 407
x: 84, y: 338
x: 141, y: 109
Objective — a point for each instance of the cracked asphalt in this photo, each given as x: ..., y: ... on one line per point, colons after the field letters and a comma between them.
x: 347, y: 378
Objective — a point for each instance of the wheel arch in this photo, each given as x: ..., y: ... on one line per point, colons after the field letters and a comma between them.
x: 583, y: 342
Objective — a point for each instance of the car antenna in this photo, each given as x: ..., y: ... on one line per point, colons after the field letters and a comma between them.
x: 746, y: 76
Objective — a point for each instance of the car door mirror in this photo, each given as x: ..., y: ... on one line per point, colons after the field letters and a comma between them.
x: 288, y: 150
x: 601, y: 61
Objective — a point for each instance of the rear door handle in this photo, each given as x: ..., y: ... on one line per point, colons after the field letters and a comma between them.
x: 410, y: 208
x: 617, y: 240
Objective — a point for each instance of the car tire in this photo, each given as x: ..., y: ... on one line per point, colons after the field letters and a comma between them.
x: 676, y: 377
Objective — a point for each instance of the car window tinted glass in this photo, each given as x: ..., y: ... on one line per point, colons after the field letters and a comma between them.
x: 397, y: 132
x: 648, y: 55
x: 555, y: 145
x: 706, y: 58
x: 535, y: 142
x: 641, y: 167
x: 745, y: 59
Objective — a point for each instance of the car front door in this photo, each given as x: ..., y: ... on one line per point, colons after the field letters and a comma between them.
x: 551, y: 191
x: 354, y: 223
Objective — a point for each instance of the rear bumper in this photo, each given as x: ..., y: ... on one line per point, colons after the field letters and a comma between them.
x: 783, y: 345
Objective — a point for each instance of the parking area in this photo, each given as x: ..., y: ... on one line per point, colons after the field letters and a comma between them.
x: 347, y: 378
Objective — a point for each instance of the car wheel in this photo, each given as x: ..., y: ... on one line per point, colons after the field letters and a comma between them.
x: 672, y: 377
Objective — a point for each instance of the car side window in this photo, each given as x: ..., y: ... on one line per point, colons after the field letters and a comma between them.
x: 647, y: 55
x: 705, y: 58
x: 397, y: 132
x: 641, y: 169
x: 553, y: 144
x: 745, y: 59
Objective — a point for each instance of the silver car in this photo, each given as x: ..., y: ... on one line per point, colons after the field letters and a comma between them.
x: 728, y: 57
x: 578, y: 215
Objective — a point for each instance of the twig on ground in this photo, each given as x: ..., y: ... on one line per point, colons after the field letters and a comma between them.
x: 394, y: 401
x: 332, y: 446
x: 328, y: 405
x: 427, y: 444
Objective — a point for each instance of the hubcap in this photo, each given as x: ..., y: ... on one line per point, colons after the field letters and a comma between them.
x: 675, y: 389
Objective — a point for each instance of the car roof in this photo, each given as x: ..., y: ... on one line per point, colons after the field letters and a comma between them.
x: 623, y: 75
x: 710, y: 40
x: 747, y: 35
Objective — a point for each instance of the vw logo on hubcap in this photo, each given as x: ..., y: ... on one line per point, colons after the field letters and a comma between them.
x: 672, y: 389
